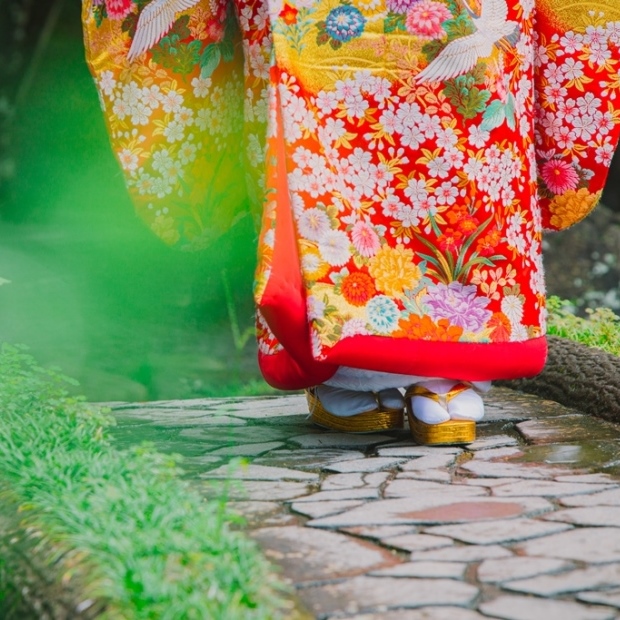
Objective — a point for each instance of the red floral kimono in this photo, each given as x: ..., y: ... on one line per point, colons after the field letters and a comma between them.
x: 405, y: 157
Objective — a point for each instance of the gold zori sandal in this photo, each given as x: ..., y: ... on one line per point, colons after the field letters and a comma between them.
x: 376, y: 420
x: 445, y: 433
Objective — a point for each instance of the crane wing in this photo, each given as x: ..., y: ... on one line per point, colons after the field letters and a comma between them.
x: 494, y: 15
x: 457, y: 58
x: 154, y: 22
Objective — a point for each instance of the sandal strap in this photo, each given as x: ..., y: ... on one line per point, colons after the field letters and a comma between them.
x: 420, y: 390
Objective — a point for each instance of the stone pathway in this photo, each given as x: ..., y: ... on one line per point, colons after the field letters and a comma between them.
x: 524, y: 524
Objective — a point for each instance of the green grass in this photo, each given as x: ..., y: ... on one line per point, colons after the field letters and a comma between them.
x: 601, y: 328
x: 117, y: 527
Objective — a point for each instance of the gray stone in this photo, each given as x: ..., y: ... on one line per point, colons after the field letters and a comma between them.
x: 262, y: 514
x: 379, y: 532
x: 308, y: 555
x: 591, y: 545
x: 256, y: 408
x: 248, y: 449
x: 432, y: 461
x: 409, y: 451
x: 595, y: 516
x: 488, y: 483
x: 425, y: 613
x: 434, y: 508
x: 509, y: 569
x: 434, y: 570
x: 260, y: 472
x: 377, y: 478
x: 256, y: 490
x: 323, y: 509
x: 498, y: 454
x: 511, y: 470
x: 607, y: 597
x: 591, y: 578
x: 312, y: 460
x: 211, y: 419
x: 370, y: 464
x: 499, y: 531
x: 497, y: 441
x: 464, y: 553
x: 567, y: 428
x: 528, y: 608
x: 338, y: 482
x: 407, y: 487
x: 417, y: 542
x: 604, y: 498
x: 546, y: 488
x: 330, y: 496
x: 382, y: 593
x: 434, y: 475
x: 234, y: 436
x: 589, y: 478
x: 325, y: 439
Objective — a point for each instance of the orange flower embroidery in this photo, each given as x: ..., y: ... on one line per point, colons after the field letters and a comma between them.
x: 500, y: 327
x: 357, y: 288
x: 289, y: 14
x: 424, y: 328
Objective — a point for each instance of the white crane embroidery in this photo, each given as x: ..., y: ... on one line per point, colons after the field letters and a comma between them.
x: 461, y: 55
x: 154, y: 22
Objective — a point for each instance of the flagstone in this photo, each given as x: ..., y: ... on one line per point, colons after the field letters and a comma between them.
x: 431, y: 461
x: 591, y: 578
x: 462, y: 553
x: 509, y: 569
x: 260, y: 472
x: 497, y: 531
x: 323, y: 509
x: 416, y: 542
x: 605, y: 597
x: 435, y: 570
x: 382, y: 593
x: 496, y: 441
x: 247, y: 449
x: 306, y: 459
x: 566, y: 428
x: 593, y: 515
x: 610, y: 497
x: 432, y: 507
x: 371, y: 464
x: 307, y: 555
x: 593, y: 545
x: 528, y: 608
x: 407, y: 487
x: 547, y: 488
x: 409, y: 451
x: 325, y: 439
x: 424, y: 613
x: 255, y: 490
x: 511, y: 470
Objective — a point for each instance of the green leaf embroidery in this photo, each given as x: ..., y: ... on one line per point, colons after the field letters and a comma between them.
x: 510, y: 112
x: 394, y: 22
x: 209, y: 60
x: 494, y: 116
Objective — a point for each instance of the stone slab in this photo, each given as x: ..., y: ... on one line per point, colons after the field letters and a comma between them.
x: 594, y: 516
x: 368, y: 493
x: 511, y: 470
x: 339, y: 482
x: 307, y: 555
x: 409, y: 451
x: 565, y: 429
x: 326, y: 439
x: 306, y: 460
x: 379, y: 532
x: 547, y: 488
x: 370, y: 464
x: 496, y: 441
x: 606, y: 597
x: 509, y: 569
x: 528, y: 608
x: 406, y: 487
x: 316, y: 510
x: 462, y: 553
x: 498, y: 454
x: 431, y: 461
x: 590, y: 545
x: 434, y: 475
x: 260, y: 472
x: 604, y: 498
x: 417, y: 542
x: 433, y: 508
x: 499, y: 531
x: 425, y: 613
x: 255, y: 490
x: 234, y: 436
x: 591, y: 578
x: 434, y: 570
x: 247, y: 449
x: 488, y: 483
x: 363, y: 594
x: 588, y: 478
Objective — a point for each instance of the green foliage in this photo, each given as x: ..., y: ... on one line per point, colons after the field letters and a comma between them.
x: 468, y: 99
x: 122, y: 524
x: 600, y: 329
